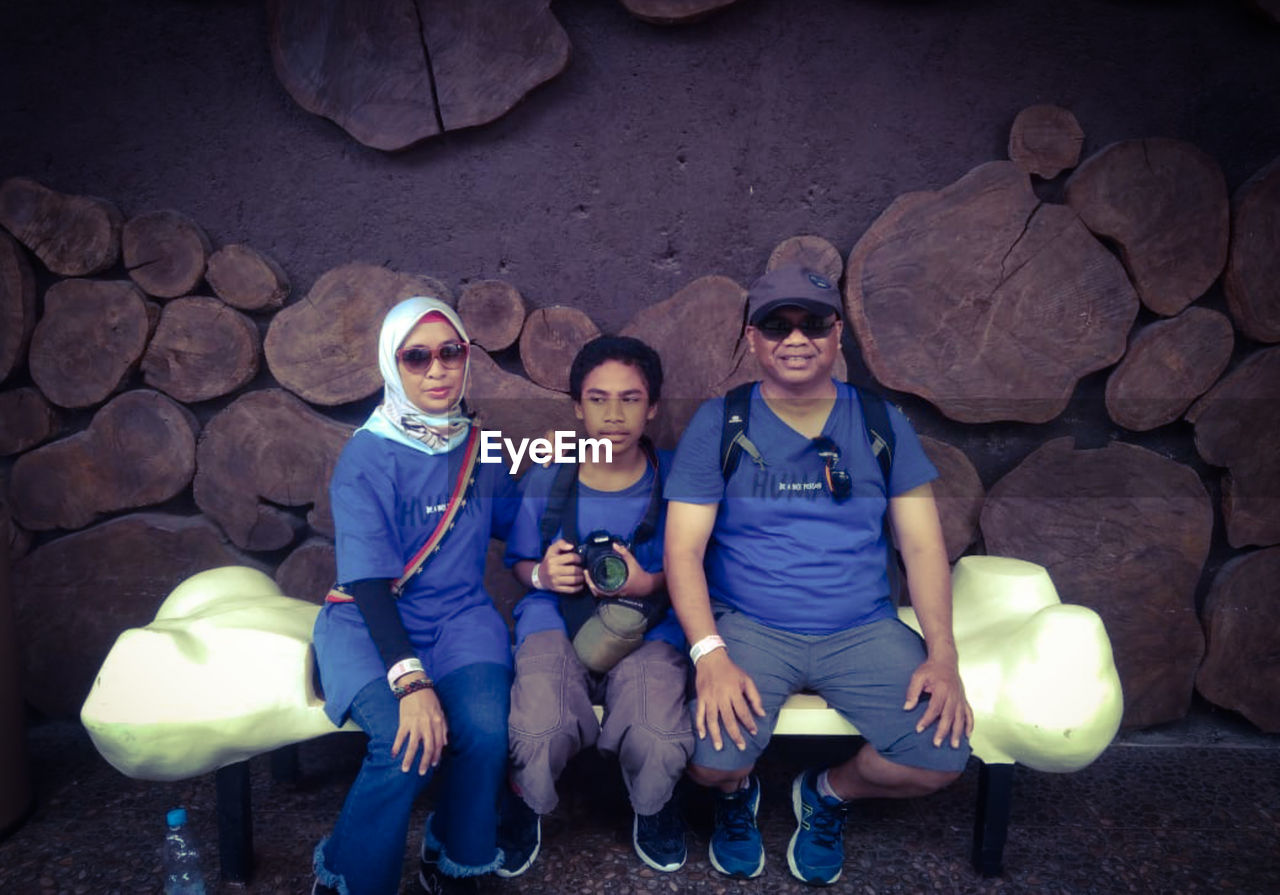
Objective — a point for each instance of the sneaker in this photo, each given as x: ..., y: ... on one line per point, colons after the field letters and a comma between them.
x: 659, y: 838
x: 816, y: 851
x: 519, y: 836
x: 432, y: 882
x: 736, y: 847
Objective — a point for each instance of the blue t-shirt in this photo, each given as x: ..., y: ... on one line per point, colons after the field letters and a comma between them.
x: 617, y: 512
x: 782, y: 550
x: 387, y: 499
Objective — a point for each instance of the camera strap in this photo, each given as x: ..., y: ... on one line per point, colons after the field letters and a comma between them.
x: 561, y: 515
x: 562, y: 504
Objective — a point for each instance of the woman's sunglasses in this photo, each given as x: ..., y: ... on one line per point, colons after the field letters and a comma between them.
x: 839, y: 482
x: 417, y: 360
x: 775, y: 327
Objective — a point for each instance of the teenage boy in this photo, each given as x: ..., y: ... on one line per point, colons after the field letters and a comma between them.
x: 779, y: 576
x: 615, y: 384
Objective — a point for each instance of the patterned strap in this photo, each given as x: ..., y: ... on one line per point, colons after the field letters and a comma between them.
x: 457, y: 500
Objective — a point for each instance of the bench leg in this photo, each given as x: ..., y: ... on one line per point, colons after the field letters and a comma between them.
x: 991, y: 823
x: 235, y: 823
x: 284, y: 764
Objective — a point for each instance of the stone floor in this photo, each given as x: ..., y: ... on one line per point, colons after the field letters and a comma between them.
x: 1191, y: 808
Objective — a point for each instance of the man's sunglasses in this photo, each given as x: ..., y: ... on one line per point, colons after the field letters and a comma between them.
x: 417, y: 360
x: 839, y: 482
x: 775, y: 327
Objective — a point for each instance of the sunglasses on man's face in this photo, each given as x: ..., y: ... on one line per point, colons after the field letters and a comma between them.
x: 839, y: 482
x: 775, y: 327
x: 417, y: 360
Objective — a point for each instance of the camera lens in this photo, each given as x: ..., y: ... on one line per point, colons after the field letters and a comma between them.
x: 609, y: 572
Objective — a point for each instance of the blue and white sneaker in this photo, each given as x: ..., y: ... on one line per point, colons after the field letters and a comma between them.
x: 659, y: 838
x: 519, y: 836
x: 736, y: 847
x: 816, y: 851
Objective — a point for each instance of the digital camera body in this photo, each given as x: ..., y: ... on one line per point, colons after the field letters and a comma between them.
x: 608, y: 570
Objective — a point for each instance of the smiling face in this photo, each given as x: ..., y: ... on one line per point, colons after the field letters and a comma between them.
x: 796, y: 363
x: 438, y: 389
x: 615, y: 405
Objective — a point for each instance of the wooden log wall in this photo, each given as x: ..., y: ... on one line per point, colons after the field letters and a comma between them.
x: 168, y: 405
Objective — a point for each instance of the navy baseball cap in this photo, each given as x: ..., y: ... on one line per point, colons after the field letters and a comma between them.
x: 792, y: 287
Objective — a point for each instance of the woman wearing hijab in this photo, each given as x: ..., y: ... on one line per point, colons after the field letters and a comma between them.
x: 426, y: 674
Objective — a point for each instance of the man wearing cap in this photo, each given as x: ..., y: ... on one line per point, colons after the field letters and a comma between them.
x: 778, y: 572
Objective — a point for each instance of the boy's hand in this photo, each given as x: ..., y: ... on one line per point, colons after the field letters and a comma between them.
x: 561, y: 568
x: 639, y: 582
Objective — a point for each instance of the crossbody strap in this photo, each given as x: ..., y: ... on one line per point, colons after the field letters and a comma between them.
x: 457, y: 500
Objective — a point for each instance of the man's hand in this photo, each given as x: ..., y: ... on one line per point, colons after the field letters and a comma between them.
x: 726, y: 696
x: 639, y: 582
x: 422, y: 724
x: 561, y: 568
x: 947, y: 703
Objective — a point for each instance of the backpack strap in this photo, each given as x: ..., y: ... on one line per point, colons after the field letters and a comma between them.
x: 875, y: 417
x: 733, y: 432
x: 562, y: 503
x: 563, y: 486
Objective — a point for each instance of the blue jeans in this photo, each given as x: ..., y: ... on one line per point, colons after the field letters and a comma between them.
x: 365, y: 853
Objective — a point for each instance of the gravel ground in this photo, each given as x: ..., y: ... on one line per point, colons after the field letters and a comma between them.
x: 1151, y: 815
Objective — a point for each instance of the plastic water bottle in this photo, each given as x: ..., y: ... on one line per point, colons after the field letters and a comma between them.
x: 182, y: 874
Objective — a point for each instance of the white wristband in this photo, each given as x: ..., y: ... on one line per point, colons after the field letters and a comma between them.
x: 706, y: 645
x: 403, y: 667
x: 535, y: 578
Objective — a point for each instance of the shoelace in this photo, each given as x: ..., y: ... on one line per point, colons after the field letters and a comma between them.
x: 733, y: 815
x: 664, y: 827
x: 826, y: 823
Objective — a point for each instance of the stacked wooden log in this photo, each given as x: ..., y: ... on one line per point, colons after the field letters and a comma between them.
x: 147, y: 440
x: 393, y: 73
x: 991, y: 304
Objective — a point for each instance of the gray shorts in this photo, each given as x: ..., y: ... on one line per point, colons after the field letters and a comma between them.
x: 862, y: 673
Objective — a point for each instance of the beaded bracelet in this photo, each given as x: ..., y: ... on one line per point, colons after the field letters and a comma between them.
x: 413, y: 687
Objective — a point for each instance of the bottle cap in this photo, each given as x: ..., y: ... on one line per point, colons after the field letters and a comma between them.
x: 177, y: 817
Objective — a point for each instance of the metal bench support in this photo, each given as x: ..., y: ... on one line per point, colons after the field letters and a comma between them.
x: 991, y: 820
x: 235, y: 823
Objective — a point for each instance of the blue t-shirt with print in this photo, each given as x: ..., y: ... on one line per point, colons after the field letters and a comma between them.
x: 387, y: 500
x: 617, y: 512
x: 782, y: 550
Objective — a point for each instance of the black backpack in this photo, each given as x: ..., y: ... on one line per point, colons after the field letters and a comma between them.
x: 875, y: 417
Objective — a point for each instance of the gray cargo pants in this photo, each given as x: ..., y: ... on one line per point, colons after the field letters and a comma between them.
x: 646, y: 723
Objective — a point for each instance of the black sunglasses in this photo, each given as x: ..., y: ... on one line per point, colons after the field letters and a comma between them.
x: 839, y: 482
x: 775, y: 327
x: 417, y: 360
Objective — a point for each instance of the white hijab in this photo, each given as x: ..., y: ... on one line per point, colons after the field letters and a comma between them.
x: 399, y: 419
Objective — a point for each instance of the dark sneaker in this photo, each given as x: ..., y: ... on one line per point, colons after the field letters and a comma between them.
x: 659, y: 838
x: 432, y: 882
x: 519, y: 836
x: 736, y: 847
x: 816, y: 852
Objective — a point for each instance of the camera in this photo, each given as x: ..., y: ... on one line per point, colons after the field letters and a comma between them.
x: 607, y: 569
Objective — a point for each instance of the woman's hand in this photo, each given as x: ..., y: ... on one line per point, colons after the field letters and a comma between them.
x: 422, y: 724
x: 561, y: 568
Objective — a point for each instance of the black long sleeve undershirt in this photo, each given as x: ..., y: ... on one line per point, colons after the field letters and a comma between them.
x: 374, y: 600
